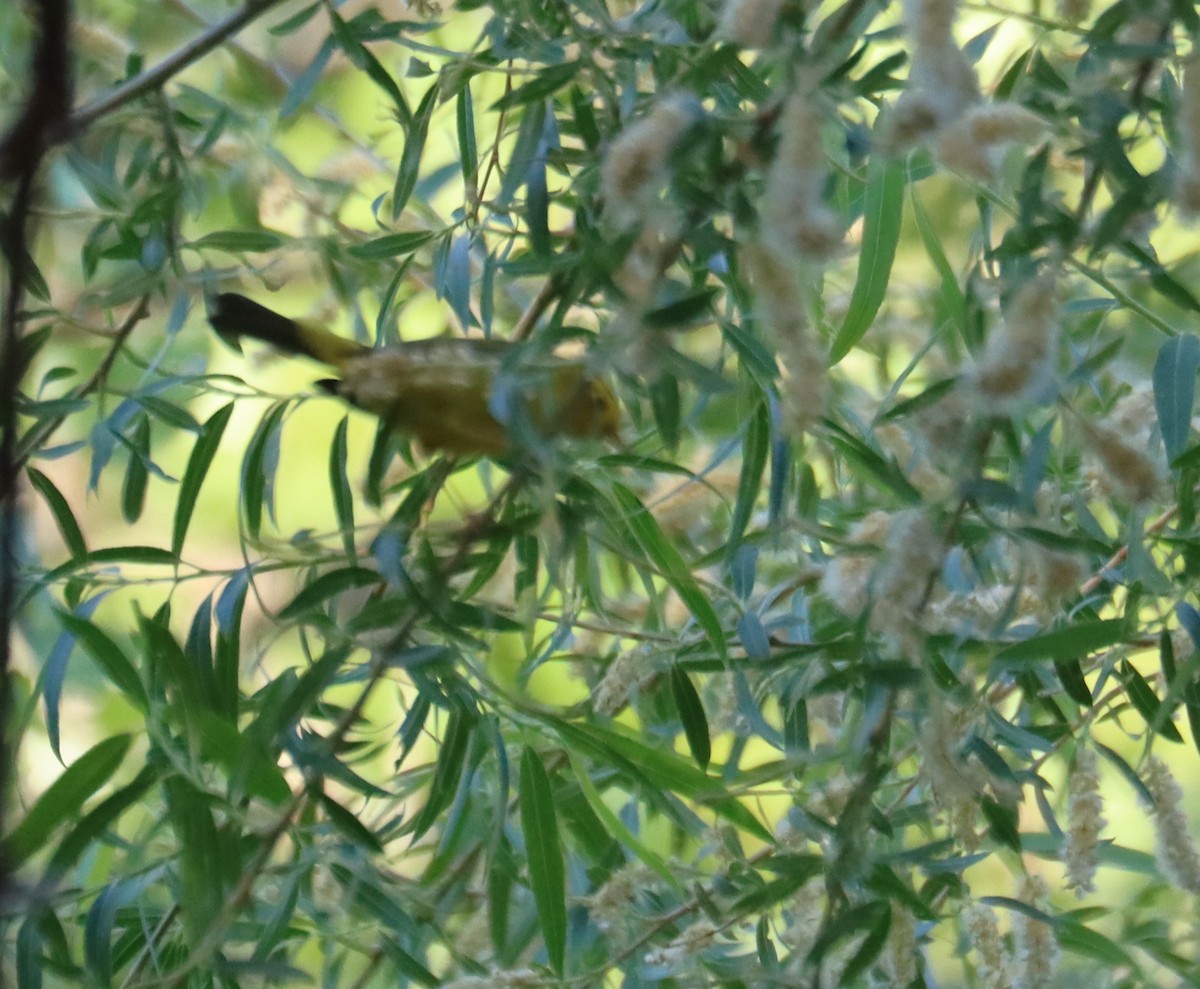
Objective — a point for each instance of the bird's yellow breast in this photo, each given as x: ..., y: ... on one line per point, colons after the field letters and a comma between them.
x: 460, y: 398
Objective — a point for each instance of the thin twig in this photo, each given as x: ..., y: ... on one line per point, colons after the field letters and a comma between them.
x: 170, y: 66
x: 40, y: 433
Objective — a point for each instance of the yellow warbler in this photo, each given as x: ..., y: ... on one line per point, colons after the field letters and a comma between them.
x: 440, y: 391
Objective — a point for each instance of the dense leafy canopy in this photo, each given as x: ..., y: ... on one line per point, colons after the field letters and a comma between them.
x: 847, y: 665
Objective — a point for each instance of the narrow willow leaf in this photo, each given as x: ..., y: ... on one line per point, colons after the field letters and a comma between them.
x: 101, y: 921
x: 1070, y: 675
x: 197, y: 469
x: 547, y: 875
x: 258, y: 468
x: 350, y: 826
x: 84, y: 836
x: 108, y: 656
x: 691, y: 714
x: 55, y: 673
x: 64, y: 518
x: 390, y: 246
x: 203, y: 859
x: 362, y: 57
x: 414, y: 146
x: 661, y: 770
x: 65, y: 796
x: 1175, y: 390
x: 618, y: 829
x: 382, y: 451
x: 664, y: 401
x: 237, y: 241
x: 544, y: 84
x: 468, y: 151
x: 137, y: 474
x: 29, y: 961
x: 292, y: 697
x: 756, y: 444
x: 327, y: 586
x: 670, y: 564
x: 1147, y: 703
x: 1080, y: 940
x: 883, y: 206
x: 954, y: 300
x: 339, y: 483
x: 1073, y: 642
x: 459, y: 728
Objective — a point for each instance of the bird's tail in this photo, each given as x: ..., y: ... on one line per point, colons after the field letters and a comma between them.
x: 234, y: 316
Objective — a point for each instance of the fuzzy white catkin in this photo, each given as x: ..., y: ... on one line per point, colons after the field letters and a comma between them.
x: 847, y: 578
x: 912, y: 555
x: 628, y: 671
x: 796, y: 221
x: 941, y: 81
x: 750, y: 23
x: 992, y: 962
x: 954, y: 783
x: 975, y: 143
x: 1021, y: 353
x: 901, y: 951
x: 1035, y: 949
x: 1187, y: 179
x: 804, y: 369
x: 1085, y: 821
x: 636, y: 165
x: 1128, y: 471
x: 1177, y: 856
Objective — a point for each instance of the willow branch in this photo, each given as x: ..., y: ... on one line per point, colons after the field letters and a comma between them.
x: 172, y: 65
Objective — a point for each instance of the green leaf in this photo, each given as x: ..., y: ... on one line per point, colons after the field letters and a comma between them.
x: 64, y: 518
x: 663, y: 554
x: 1073, y: 642
x: 327, y: 586
x: 661, y: 770
x: 547, y: 875
x: 414, y: 145
x: 691, y: 713
x: 238, y: 241
x: 1147, y: 703
x: 1070, y: 675
x: 545, y: 83
x: 108, y: 656
x: 468, y: 151
x: 390, y: 246
x: 350, y: 826
x: 65, y: 797
x: 883, y: 207
x: 361, y: 56
x: 756, y: 444
x: 258, y: 468
x: 1080, y: 940
x: 954, y: 300
x: 206, y: 862
x: 664, y: 400
x: 459, y: 728
x: 339, y: 483
x: 689, y: 309
x: 137, y: 474
x: 1175, y: 390
x: 84, y: 836
x: 617, y: 829
x: 197, y: 469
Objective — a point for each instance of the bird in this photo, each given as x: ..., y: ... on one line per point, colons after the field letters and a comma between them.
x: 444, y: 393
